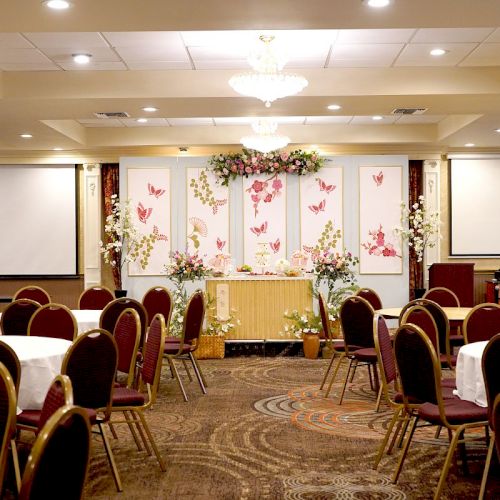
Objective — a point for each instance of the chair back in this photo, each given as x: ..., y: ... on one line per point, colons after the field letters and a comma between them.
x: 9, y: 358
x: 356, y: 319
x: 490, y: 362
x: 325, y: 320
x: 127, y: 334
x: 417, y: 365
x: 442, y: 325
x: 110, y: 313
x: 8, y: 408
x: 95, y: 297
x: 16, y: 317
x: 158, y: 300
x: 60, y: 393
x: 53, y: 320
x: 415, y: 302
x: 443, y: 296
x: 91, y: 363
x: 371, y: 296
x: 193, y: 318
x: 421, y: 317
x: 153, y: 355
x: 58, y: 463
x: 385, y: 353
x: 495, y: 421
x: 35, y: 293
x: 482, y: 323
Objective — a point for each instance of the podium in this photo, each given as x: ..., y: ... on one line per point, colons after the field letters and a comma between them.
x: 457, y: 277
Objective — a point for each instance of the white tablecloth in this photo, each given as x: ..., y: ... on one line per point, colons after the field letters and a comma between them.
x: 41, y: 359
x: 87, y: 319
x: 469, y: 374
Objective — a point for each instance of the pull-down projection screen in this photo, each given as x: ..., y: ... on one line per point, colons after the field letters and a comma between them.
x: 38, y: 235
x: 474, y: 193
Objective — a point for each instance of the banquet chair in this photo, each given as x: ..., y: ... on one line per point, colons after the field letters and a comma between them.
x: 482, y: 323
x: 91, y: 363
x: 371, y: 296
x: 420, y: 375
x: 95, y: 297
x: 112, y: 311
x: 127, y: 334
x: 187, y: 343
x: 8, y: 400
x: 356, y: 318
x: 16, y: 317
x: 59, y: 460
x: 11, y: 361
x: 129, y: 399
x: 336, y: 346
x: 55, y: 321
x: 35, y: 293
x: 157, y: 299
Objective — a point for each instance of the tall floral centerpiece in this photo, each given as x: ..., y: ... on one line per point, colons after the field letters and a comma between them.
x: 420, y: 227
x: 183, y: 267
x: 123, y: 243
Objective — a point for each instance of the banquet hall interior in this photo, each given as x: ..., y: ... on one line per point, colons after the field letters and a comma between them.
x: 258, y: 181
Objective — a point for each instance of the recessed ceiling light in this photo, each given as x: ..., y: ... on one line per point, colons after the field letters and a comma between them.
x: 81, y: 58
x: 470, y: 145
x: 149, y: 109
x: 141, y: 120
x: 438, y: 52
x: 377, y: 3
x: 334, y: 107
x: 26, y: 136
x: 57, y: 4
x: 377, y: 118
x: 57, y: 149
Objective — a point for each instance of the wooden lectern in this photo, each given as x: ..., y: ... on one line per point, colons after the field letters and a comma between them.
x: 457, y: 277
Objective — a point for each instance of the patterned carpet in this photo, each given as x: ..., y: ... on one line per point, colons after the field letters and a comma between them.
x: 265, y: 431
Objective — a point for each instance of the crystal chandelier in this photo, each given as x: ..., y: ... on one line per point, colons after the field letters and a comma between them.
x: 265, y: 138
x: 267, y: 82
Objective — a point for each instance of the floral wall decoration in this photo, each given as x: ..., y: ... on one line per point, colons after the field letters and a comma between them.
x: 321, y: 218
x: 250, y: 162
x: 264, y: 216
x: 380, y: 193
x: 207, y: 214
x: 149, y: 195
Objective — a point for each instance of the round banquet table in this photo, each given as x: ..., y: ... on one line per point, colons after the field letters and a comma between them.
x: 469, y: 374
x: 453, y: 313
x: 41, y: 359
x: 86, y: 319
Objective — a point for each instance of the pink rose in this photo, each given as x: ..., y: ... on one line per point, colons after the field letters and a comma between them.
x: 268, y: 198
x: 234, y: 168
x: 257, y: 186
x: 248, y: 170
x: 277, y: 184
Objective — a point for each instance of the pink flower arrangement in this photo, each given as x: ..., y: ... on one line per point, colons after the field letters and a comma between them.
x: 186, y: 267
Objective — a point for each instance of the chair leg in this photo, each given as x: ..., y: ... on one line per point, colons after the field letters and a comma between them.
x: 404, y: 451
x: 330, y: 364
x: 177, y: 377
x: 346, y: 379
x: 379, y: 399
x: 446, y: 466
x: 187, y: 370
x: 334, y: 376
x: 15, y: 462
x: 197, y: 373
x: 402, y: 424
x: 354, y: 371
x: 486, y: 471
x: 198, y: 367
x: 151, y: 440
x: 130, y: 424
x: 111, y: 458
x: 383, y: 444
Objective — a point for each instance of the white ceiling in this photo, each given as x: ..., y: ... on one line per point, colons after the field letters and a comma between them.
x: 179, y: 57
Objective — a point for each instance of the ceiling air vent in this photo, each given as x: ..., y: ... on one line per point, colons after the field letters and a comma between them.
x: 409, y: 111
x: 112, y: 114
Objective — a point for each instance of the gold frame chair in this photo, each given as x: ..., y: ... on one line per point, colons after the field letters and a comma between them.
x: 54, y: 305
x: 33, y: 287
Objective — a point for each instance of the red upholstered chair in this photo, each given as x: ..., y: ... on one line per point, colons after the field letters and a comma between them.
x: 53, y: 320
x: 134, y: 401
x: 95, y: 297
x: 91, y: 363
x: 371, y: 296
x: 158, y: 300
x: 35, y: 293
x: 482, y: 323
x: 420, y: 374
x: 16, y: 317
x: 127, y: 334
x: 356, y: 318
x: 58, y: 463
x: 186, y: 345
x: 10, y: 360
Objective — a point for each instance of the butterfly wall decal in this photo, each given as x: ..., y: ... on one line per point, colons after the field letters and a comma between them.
x: 275, y: 247
x: 143, y: 213
x: 323, y: 186
x: 155, y: 192
x: 220, y: 244
x: 259, y: 230
x: 316, y: 209
x: 378, y: 178
x: 158, y: 235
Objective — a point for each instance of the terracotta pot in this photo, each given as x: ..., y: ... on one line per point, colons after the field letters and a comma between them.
x: 310, y: 345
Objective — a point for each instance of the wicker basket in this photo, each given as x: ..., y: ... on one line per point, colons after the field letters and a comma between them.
x: 210, y: 347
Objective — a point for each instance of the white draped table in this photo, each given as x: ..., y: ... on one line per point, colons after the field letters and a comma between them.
x: 41, y: 359
x: 469, y: 374
x: 87, y: 319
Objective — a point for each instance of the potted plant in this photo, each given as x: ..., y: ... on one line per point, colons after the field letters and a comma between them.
x: 306, y: 326
x: 123, y: 243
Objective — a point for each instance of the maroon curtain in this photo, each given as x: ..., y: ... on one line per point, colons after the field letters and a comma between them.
x: 110, y: 185
x: 415, y: 189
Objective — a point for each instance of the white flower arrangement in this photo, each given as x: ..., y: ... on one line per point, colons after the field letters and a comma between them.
x: 419, y: 226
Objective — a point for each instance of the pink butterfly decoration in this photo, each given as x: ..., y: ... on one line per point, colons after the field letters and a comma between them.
x: 259, y: 230
x: 323, y: 186
x: 143, y: 213
x: 155, y: 192
x: 275, y: 247
x: 316, y: 209
x: 378, y: 178
x: 220, y: 244
x: 158, y: 235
